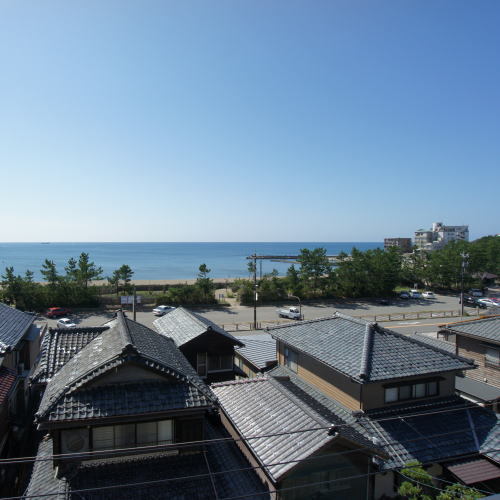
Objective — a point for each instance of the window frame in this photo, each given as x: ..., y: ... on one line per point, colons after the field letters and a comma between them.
x: 429, y: 391
x: 291, y: 359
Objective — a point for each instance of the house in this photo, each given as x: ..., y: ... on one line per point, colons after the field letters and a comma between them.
x: 349, y: 403
x: 439, y: 236
x: 257, y: 356
x: 126, y: 414
x: 19, y: 347
x: 208, y: 347
x: 478, y: 339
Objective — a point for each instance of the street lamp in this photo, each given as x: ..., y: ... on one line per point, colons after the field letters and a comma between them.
x: 464, y: 263
x: 300, y: 305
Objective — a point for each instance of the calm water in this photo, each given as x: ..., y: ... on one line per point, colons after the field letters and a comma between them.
x: 162, y: 260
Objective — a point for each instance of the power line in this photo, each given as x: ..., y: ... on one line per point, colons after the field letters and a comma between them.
x: 137, y: 450
x: 199, y: 476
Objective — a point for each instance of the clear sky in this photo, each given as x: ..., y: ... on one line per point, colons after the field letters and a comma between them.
x: 254, y: 120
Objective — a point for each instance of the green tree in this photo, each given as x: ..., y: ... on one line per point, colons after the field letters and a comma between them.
x: 49, y: 272
x: 314, y: 267
x: 12, y: 286
x: 71, y: 271
x: 203, y: 282
x: 114, y: 280
x: 88, y: 271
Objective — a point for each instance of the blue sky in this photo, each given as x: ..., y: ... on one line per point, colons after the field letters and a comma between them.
x: 248, y: 121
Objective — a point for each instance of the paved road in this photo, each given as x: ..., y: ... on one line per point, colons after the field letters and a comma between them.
x: 244, y: 315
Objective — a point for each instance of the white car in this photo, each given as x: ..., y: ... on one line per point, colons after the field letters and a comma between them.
x: 415, y: 294
x: 65, y: 323
x: 428, y: 295
x: 489, y: 302
x: 161, y: 310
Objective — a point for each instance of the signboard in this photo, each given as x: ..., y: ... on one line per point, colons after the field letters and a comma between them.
x: 129, y: 299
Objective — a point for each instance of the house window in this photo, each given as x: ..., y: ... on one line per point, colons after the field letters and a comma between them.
x: 492, y: 356
x: 219, y: 363
x: 291, y: 359
x: 416, y: 390
x: 201, y: 364
x: 131, y: 435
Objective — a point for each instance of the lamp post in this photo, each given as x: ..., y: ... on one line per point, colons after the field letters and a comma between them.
x: 300, y: 304
x: 464, y: 263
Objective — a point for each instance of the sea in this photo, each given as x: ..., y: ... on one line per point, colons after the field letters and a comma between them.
x: 165, y: 261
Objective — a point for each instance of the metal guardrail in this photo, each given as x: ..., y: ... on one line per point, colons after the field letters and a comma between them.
x: 247, y: 326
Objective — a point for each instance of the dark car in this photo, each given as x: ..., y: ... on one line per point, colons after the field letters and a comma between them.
x: 55, y: 312
x: 473, y: 302
x: 404, y: 295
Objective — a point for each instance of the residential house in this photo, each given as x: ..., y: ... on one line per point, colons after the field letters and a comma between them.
x: 478, y: 339
x: 257, y: 356
x: 19, y: 347
x: 126, y: 415
x: 349, y: 403
x: 208, y: 347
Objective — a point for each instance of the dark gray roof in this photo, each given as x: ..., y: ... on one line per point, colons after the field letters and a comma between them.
x: 125, y: 341
x: 259, y: 349
x: 485, y: 328
x: 13, y: 325
x: 265, y: 406
x: 437, y: 430
x: 433, y: 341
x: 59, y: 346
x: 477, y: 389
x: 365, y: 351
x: 123, y: 472
x: 183, y: 326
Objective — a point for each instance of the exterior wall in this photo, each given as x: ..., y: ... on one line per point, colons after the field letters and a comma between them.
x: 332, y: 383
x: 402, y: 243
x: 245, y: 367
x: 475, y: 349
x: 127, y: 373
x: 373, y: 395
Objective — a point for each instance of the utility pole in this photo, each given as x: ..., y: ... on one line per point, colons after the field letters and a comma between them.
x: 464, y: 263
x: 254, y: 291
x: 133, y: 304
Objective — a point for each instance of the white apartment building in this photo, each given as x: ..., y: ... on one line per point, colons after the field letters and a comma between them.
x: 439, y: 236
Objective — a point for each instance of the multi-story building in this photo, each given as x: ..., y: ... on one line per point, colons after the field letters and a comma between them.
x: 439, y: 236
x: 349, y: 404
x: 402, y: 243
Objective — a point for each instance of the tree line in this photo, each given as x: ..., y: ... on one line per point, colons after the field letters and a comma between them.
x: 70, y: 288
x: 375, y: 273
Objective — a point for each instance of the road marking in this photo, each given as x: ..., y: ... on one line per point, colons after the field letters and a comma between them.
x: 410, y: 323
x: 421, y: 324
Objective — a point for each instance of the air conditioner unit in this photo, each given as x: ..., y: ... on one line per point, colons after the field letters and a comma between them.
x: 75, y: 441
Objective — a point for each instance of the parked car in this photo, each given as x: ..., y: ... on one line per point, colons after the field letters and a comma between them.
x: 473, y: 302
x: 65, y: 323
x: 289, y: 312
x: 475, y: 292
x: 428, y: 295
x: 404, y: 295
x: 489, y: 302
x: 161, y: 310
x: 415, y: 294
x: 55, y: 312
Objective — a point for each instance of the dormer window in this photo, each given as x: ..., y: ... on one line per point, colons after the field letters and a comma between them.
x: 416, y: 390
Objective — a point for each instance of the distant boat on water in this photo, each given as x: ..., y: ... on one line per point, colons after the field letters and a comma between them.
x: 45, y: 243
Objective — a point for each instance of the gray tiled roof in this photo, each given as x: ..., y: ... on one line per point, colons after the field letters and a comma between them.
x: 13, y: 326
x: 485, y: 328
x: 259, y: 349
x: 477, y: 389
x: 436, y: 430
x: 366, y: 351
x: 433, y: 341
x: 59, y: 346
x: 125, y: 341
x: 183, y: 326
x: 267, y: 406
x: 100, y: 476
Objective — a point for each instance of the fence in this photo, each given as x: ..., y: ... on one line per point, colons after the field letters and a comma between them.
x: 246, y: 326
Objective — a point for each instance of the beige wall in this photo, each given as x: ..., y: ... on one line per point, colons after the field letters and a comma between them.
x: 474, y: 349
x: 327, y: 380
x: 374, y: 394
x: 127, y: 373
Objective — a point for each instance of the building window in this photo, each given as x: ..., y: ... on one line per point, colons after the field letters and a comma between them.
x: 291, y: 359
x: 492, y: 356
x: 131, y: 435
x: 416, y: 390
x: 219, y: 363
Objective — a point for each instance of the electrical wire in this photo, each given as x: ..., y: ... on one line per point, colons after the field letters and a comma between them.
x: 200, y: 476
x: 137, y: 450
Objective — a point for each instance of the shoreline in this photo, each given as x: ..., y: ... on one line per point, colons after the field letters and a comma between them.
x: 192, y: 281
